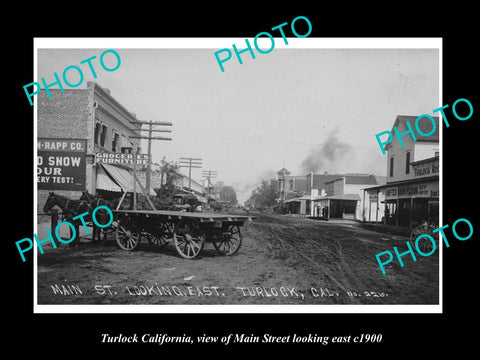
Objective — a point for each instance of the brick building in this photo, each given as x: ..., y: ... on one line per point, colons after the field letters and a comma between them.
x: 91, y: 117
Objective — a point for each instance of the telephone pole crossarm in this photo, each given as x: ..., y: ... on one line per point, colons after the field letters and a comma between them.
x: 190, y: 162
x: 157, y: 130
x: 163, y: 123
x: 150, y: 137
x: 150, y: 130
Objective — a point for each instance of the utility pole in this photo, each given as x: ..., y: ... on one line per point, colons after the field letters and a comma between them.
x: 150, y: 138
x: 220, y: 184
x: 190, y: 163
x: 209, y: 174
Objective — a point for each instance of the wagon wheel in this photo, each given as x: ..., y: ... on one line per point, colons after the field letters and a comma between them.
x: 188, y: 239
x: 229, y: 241
x: 160, y: 237
x: 424, y: 244
x: 127, y: 238
x: 156, y: 239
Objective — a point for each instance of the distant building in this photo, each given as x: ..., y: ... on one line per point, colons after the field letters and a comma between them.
x: 343, y: 197
x: 411, y: 193
x: 290, y: 186
x: 340, y: 194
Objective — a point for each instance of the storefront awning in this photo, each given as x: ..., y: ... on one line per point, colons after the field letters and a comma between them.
x: 354, y: 197
x: 122, y: 177
x: 104, y: 182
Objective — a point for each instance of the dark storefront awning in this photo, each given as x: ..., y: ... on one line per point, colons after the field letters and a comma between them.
x: 353, y: 197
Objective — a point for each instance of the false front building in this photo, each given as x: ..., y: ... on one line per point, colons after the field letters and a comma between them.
x: 325, y: 195
x: 343, y: 197
x: 411, y: 193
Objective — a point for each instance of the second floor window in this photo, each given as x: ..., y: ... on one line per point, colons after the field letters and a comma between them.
x: 391, y: 167
x: 103, y: 136
x: 115, y: 140
x: 97, y: 130
x: 407, y: 163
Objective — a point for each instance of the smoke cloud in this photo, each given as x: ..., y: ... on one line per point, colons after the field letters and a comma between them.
x: 327, y: 157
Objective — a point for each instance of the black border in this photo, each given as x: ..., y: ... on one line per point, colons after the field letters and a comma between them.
x: 402, y: 333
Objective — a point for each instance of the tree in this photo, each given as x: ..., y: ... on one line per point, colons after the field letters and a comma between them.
x: 227, y: 193
x: 170, y: 174
x: 264, y: 195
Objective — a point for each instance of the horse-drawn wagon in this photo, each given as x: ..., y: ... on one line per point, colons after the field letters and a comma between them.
x: 188, y: 231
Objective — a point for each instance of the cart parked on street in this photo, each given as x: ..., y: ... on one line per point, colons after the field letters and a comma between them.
x: 189, y: 231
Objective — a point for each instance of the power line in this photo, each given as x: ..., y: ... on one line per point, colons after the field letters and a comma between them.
x: 190, y: 163
x: 150, y: 130
x: 209, y: 175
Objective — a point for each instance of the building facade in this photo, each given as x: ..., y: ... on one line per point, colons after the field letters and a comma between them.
x: 325, y: 195
x: 93, y: 118
x: 411, y: 193
x: 343, y: 198
x: 290, y: 186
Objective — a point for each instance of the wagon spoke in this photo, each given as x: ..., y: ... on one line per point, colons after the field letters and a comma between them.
x: 127, y: 238
x: 223, y: 246
x: 229, y: 241
x: 182, y: 243
x: 188, y: 239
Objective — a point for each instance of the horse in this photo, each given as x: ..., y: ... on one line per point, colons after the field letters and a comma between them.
x: 97, y: 200
x: 70, y: 209
x: 93, y: 202
x: 102, y: 216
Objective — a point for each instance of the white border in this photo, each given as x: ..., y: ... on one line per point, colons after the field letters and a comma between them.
x: 216, y: 43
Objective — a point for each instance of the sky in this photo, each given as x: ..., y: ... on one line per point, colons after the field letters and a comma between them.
x: 305, y: 109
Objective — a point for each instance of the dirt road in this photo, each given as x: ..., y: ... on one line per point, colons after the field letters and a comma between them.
x: 283, y: 260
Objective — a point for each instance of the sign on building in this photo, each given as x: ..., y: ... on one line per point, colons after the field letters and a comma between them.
x: 426, y: 168
x: 116, y: 158
x: 61, y: 164
x: 155, y: 178
x: 427, y: 189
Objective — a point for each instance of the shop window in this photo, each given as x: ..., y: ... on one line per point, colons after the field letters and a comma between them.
x: 391, y: 167
x: 407, y: 163
x: 103, y: 135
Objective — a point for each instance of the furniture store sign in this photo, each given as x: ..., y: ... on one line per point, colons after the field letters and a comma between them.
x: 124, y: 159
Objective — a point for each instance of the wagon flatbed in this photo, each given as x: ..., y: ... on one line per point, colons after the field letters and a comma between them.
x: 188, y: 230
x: 202, y: 217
